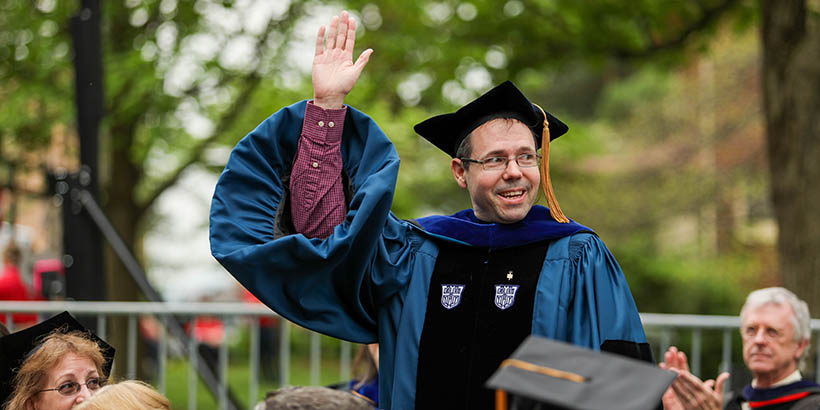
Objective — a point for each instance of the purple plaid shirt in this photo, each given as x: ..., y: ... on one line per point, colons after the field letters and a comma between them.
x: 317, y: 200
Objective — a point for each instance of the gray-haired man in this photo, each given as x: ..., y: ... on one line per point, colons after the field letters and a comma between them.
x: 775, y: 331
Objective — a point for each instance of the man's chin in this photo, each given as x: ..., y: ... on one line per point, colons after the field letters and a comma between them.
x: 512, y: 218
x: 759, y: 366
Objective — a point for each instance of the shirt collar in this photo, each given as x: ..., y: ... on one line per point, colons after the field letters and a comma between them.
x: 794, y: 377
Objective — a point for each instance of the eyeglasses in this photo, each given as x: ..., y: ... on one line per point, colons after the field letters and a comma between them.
x: 769, y: 333
x: 71, y: 388
x: 500, y: 163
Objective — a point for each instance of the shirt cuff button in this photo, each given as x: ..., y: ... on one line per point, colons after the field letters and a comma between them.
x: 315, y: 165
x: 330, y: 124
x: 321, y: 123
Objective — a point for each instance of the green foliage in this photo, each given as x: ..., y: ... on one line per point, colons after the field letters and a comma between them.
x: 629, y: 165
x: 686, y: 283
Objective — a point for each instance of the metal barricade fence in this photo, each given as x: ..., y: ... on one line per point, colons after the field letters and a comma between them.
x: 226, y: 312
x: 660, y: 329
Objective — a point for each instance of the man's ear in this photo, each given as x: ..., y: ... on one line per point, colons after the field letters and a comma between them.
x: 801, y: 347
x: 459, y: 172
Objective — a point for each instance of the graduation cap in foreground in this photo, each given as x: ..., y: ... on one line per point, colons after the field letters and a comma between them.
x: 16, y: 347
x: 447, y: 131
x: 558, y: 375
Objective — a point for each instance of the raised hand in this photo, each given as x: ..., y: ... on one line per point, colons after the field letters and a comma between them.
x: 334, y: 72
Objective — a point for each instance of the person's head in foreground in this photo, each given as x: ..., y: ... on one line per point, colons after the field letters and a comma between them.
x: 494, y: 142
x: 126, y: 395
x: 312, y: 398
x: 55, y: 364
x: 775, y: 331
x: 63, y: 371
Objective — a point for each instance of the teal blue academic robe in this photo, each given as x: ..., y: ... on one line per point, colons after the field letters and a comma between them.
x: 370, y: 280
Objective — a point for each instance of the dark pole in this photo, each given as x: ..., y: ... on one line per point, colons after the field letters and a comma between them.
x: 82, y: 242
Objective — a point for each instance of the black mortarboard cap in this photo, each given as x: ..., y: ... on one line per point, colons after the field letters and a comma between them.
x: 563, y: 376
x: 446, y: 131
x: 16, y: 347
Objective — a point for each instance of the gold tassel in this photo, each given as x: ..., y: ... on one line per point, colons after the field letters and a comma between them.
x: 500, y: 400
x: 546, y: 184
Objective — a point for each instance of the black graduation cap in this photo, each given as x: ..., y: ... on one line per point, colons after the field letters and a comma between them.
x: 447, y: 131
x: 17, y: 346
x: 558, y: 375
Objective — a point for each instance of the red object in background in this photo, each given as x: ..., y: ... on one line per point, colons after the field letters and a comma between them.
x: 49, y: 279
x: 208, y: 330
x: 12, y: 287
x: 248, y: 297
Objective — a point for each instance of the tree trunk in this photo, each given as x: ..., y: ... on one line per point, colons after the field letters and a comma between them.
x: 791, y: 80
x: 121, y: 211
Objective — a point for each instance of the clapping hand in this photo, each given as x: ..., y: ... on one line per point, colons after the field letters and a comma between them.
x: 688, y: 392
x: 334, y: 72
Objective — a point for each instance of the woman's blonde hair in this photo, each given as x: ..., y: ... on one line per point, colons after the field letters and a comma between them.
x: 126, y: 395
x: 33, y: 373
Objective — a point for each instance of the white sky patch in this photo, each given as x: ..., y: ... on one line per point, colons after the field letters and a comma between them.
x: 181, y: 76
x: 453, y: 92
x: 202, y: 46
x: 410, y: 89
x: 168, y: 6
x: 159, y: 162
x: 166, y: 36
x: 513, y: 8
x: 477, y: 78
x: 210, y: 94
x: 217, y: 155
x: 178, y: 248
x: 20, y: 52
x: 149, y: 51
x: 216, y: 96
x: 222, y: 19
x: 48, y: 28
x: 438, y: 12
x: 495, y: 57
x: 467, y: 11
x: 139, y: 17
x: 46, y: 6
x: 289, y: 78
x: 238, y: 53
x: 60, y: 51
x: 256, y: 14
x: 196, y: 124
x: 371, y: 17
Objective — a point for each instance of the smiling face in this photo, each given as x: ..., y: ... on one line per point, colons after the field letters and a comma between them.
x: 503, y: 196
x: 71, y: 368
x: 769, y: 348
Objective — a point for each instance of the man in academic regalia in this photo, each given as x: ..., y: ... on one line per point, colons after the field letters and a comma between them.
x: 301, y: 217
x: 775, y: 329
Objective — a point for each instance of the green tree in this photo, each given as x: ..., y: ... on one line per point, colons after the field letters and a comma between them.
x: 166, y: 66
x: 185, y: 80
x: 443, y: 55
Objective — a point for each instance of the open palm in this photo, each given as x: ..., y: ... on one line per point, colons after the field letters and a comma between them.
x: 334, y: 72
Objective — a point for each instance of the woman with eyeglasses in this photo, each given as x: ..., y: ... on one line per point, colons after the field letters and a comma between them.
x: 52, y: 366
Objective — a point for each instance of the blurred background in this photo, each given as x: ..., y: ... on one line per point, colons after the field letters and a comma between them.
x: 693, y: 146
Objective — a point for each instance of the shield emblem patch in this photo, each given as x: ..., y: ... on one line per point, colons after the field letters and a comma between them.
x: 505, y: 295
x: 451, y: 295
